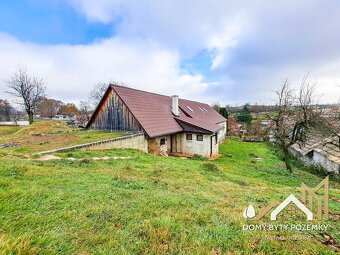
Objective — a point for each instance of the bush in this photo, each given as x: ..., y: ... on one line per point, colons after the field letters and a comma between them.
x: 211, y: 167
x: 198, y: 157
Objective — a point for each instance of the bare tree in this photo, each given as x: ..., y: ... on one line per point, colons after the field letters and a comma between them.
x: 97, y: 92
x: 29, y: 89
x: 216, y: 106
x: 295, y: 116
x: 328, y: 126
x: 84, y: 112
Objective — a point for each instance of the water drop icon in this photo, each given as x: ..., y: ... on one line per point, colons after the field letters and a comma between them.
x: 249, y: 212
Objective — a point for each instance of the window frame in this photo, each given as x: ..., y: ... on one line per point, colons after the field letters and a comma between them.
x: 160, y: 141
x: 199, y: 135
x: 188, y: 135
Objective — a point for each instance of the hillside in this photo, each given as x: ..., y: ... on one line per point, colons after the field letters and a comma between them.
x: 152, y: 205
x: 47, y: 135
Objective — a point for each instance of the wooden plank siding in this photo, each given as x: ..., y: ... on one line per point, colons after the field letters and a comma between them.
x: 114, y: 115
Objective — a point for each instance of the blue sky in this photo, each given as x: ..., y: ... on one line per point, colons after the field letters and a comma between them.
x: 49, y: 22
x: 232, y: 52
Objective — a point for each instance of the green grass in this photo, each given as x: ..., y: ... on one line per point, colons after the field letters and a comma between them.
x: 7, y: 130
x: 150, y: 205
x: 47, y: 135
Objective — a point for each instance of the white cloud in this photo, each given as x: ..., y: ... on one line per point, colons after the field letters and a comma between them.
x: 185, y: 25
x: 72, y: 71
x: 253, y: 44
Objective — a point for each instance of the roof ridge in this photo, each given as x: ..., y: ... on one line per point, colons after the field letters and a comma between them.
x: 121, y: 86
x: 158, y: 94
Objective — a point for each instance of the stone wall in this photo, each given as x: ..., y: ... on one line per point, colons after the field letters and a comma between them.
x: 138, y: 142
x: 135, y: 141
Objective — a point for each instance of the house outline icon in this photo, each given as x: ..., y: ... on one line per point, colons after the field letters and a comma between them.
x: 291, y: 199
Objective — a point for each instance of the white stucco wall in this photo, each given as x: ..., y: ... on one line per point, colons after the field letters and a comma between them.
x: 307, y: 159
x: 315, y: 158
x: 222, y: 133
x: 187, y: 146
x: 198, y: 147
x: 320, y: 159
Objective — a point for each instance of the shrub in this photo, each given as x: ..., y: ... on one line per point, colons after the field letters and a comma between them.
x: 198, y: 157
x: 211, y: 167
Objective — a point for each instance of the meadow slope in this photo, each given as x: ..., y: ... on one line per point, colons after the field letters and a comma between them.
x: 152, y: 205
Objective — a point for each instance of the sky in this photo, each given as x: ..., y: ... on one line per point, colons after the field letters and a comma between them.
x: 231, y: 52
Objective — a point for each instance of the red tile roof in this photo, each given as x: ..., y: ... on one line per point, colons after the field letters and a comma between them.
x: 154, y: 114
x: 209, y: 126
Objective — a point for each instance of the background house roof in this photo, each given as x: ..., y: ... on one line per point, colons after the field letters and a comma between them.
x: 154, y: 113
x: 328, y: 147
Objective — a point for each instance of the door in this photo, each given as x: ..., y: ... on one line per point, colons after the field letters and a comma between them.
x: 173, y: 143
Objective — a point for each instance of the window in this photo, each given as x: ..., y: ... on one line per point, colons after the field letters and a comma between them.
x: 189, y: 136
x: 199, y: 137
x: 216, y: 138
x: 201, y: 109
x: 190, y: 108
x: 204, y: 109
x: 162, y: 142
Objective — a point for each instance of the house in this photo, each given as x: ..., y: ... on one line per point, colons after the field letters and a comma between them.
x: 317, y: 151
x: 169, y: 124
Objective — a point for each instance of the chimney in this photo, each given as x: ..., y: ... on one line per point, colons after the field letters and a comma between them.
x: 175, y: 109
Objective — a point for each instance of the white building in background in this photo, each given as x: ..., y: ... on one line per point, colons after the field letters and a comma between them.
x: 325, y: 153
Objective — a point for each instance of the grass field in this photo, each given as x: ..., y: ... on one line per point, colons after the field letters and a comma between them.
x: 152, y: 205
x: 47, y: 135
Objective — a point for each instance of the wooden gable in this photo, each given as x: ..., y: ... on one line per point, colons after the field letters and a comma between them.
x: 113, y: 115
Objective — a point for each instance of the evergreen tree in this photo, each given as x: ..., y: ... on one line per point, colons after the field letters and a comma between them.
x: 244, y: 115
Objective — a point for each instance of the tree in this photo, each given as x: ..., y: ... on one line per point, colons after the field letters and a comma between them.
x: 216, y: 106
x: 245, y: 115
x: 97, y: 92
x: 6, y: 110
x: 49, y: 107
x: 84, y: 112
x: 328, y: 126
x: 223, y: 111
x: 233, y: 126
x: 29, y: 89
x: 69, y: 109
x: 295, y: 117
